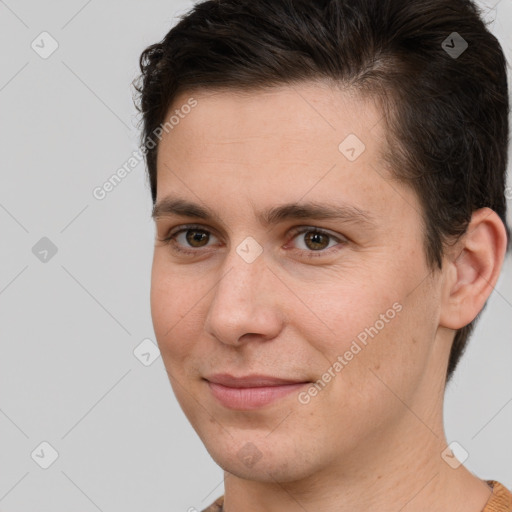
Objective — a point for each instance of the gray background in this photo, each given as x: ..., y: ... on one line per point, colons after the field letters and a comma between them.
x: 70, y: 324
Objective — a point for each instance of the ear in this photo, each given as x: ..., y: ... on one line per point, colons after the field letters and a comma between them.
x: 473, y: 267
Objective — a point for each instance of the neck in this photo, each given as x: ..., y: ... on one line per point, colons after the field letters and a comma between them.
x: 418, y: 480
x: 400, y: 469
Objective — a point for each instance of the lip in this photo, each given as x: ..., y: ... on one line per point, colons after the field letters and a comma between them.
x: 250, y: 381
x: 251, y: 391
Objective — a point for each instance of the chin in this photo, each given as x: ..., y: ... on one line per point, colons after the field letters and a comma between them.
x: 260, y: 460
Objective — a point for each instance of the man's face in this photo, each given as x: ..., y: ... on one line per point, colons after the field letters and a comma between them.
x: 343, y: 302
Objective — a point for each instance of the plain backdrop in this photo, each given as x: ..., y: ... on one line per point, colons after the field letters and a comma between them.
x: 75, y: 281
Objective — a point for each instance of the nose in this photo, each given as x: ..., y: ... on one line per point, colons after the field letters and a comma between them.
x: 246, y: 302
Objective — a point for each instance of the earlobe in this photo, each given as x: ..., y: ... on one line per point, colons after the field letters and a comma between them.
x: 473, y: 269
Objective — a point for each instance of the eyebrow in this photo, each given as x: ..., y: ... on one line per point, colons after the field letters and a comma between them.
x: 170, y: 206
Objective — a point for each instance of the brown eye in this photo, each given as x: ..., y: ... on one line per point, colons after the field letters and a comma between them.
x: 189, y: 240
x: 316, y: 241
x: 196, y: 237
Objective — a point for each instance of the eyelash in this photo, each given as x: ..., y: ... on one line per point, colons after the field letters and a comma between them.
x: 171, y: 240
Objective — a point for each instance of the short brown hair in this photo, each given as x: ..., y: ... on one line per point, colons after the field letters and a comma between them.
x: 447, y: 114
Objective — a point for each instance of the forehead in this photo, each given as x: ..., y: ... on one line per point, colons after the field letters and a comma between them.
x: 284, y: 143
x: 309, y: 121
x: 307, y: 110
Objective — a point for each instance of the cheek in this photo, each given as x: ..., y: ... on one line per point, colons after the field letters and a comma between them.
x: 372, y: 326
x: 348, y: 313
x: 174, y: 303
x: 390, y: 361
x: 175, y: 307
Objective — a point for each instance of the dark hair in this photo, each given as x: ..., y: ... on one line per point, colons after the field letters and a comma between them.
x: 447, y: 114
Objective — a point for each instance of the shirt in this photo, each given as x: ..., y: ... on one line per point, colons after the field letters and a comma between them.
x: 500, y: 500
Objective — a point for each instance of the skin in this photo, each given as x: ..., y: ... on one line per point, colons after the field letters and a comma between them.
x: 372, y: 437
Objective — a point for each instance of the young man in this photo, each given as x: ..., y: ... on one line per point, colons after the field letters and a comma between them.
x: 328, y: 184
